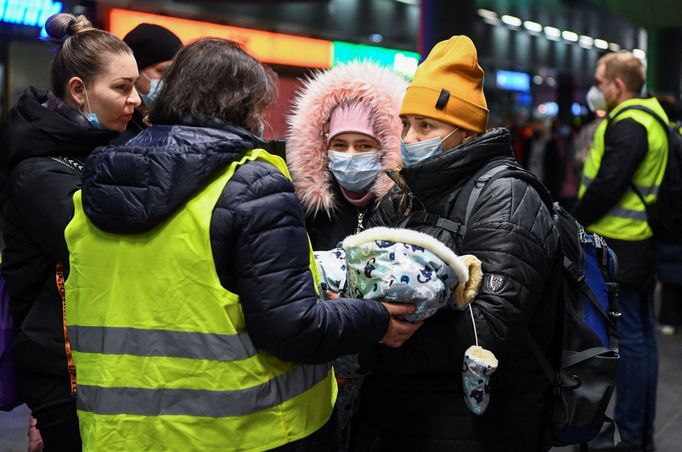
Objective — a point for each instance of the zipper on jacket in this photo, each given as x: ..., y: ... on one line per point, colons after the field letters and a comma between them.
x: 361, y: 215
x: 71, y: 163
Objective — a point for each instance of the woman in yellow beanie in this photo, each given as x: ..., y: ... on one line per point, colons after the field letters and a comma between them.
x: 413, y: 400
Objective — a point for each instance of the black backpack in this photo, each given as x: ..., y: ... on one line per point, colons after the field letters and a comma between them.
x: 584, y: 376
x: 665, y: 215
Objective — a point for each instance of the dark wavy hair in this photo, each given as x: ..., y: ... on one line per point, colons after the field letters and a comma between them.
x: 214, y: 78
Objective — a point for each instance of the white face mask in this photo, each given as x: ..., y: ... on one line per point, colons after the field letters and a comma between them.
x: 595, y: 99
x: 355, y: 172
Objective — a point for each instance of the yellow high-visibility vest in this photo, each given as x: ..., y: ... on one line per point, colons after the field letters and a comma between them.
x: 627, y: 219
x: 163, y: 358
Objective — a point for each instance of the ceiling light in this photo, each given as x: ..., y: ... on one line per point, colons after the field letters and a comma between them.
x: 614, y: 47
x: 601, y: 44
x: 569, y: 36
x: 511, y: 20
x: 552, y: 32
x: 487, y: 14
x: 639, y: 53
x: 532, y: 26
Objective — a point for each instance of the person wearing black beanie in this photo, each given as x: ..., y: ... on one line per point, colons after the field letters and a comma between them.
x: 154, y: 48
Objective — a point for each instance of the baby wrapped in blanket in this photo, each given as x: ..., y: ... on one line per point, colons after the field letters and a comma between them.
x: 405, y: 266
x: 400, y: 266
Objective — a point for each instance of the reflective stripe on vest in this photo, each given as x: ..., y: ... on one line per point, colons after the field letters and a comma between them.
x: 627, y: 220
x: 196, y: 402
x: 178, y: 344
x: 159, y: 342
x: 643, y: 190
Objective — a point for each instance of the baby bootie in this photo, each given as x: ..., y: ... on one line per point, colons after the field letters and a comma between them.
x: 479, y: 364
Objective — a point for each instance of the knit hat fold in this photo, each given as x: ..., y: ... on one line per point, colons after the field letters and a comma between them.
x: 448, y: 86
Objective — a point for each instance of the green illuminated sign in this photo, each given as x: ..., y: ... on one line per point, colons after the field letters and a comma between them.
x: 400, y: 61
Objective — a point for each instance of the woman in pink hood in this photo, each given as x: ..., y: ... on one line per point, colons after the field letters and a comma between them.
x: 344, y: 132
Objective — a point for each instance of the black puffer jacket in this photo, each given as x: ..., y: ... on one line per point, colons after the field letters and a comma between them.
x: 415, y: 392
x: 257, y: 234
x: 38, y: 209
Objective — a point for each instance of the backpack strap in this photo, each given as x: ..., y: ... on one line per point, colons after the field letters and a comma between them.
x: 431, y: 219
x: 471, y: 191
x: 477, y: 188
x: 497, y: 169
x: 551, y: 375
x: 575, y: 358
x: 657, y: 117
x: 611, y: 329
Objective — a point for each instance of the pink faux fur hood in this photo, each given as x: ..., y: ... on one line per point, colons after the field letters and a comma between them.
x: 306, y: 151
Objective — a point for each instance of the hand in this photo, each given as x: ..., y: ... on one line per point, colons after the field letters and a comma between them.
x: 331, y: 295
x: 399, y: 330
x: 35, y: 441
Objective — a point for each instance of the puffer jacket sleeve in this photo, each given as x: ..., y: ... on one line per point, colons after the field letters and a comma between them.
x: 39, y: 208
x: 512, y: 233
x: 271, y: 275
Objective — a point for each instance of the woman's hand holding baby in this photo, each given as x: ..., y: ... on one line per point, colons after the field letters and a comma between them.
x: 399, y: 331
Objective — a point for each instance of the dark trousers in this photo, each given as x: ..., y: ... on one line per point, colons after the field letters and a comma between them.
x: 671, y: 304
x: 638, y: 366
x: 58, y: 426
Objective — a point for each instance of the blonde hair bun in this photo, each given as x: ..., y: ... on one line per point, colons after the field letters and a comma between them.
x: 62, y: 26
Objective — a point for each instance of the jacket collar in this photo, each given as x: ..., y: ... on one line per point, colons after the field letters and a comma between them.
x: 43, y: 125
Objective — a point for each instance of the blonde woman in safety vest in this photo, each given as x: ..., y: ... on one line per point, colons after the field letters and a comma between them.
x: 629, y: 155
x: 191, y: 303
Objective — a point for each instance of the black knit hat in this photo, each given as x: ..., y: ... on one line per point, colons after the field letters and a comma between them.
x: 152, y: 44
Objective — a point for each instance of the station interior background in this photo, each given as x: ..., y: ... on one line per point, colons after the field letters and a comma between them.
x: 538, y: 55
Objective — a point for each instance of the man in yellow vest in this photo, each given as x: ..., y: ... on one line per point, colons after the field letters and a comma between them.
x: 191, y: 304
x: 629, y: 155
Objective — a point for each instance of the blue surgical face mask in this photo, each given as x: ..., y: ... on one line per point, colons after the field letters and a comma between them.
x: 92, y: 116
x: 355, y: 171
x: 419, y: 151
x: 155, y: 85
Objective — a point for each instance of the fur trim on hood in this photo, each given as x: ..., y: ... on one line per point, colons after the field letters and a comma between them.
x: 306, y: 151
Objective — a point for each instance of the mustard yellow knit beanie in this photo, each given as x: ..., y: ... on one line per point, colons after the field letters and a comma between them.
x: 448, y: 86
